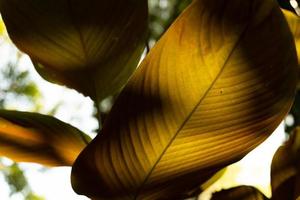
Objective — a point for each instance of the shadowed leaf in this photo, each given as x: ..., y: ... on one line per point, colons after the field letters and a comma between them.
x: 208, y: 93
x: 285, y: 176
x: 294, y: 24
x: 286, y: 4
x: 92, y: 46
x: 32, y: 137
x: 239, y: 193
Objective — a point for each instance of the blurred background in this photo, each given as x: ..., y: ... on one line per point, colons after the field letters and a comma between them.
x: 23, y: 89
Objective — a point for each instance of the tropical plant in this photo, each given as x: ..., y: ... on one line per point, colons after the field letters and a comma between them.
x: 214, y: 86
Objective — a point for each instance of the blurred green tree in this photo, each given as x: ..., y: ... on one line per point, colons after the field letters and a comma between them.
x: 17, y: 85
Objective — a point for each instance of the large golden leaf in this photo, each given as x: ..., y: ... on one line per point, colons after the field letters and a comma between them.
x: 239, y: 193
x: 285, y: 173
x: 32, y: 137
x: 91, y: 45
x: 215, y: 86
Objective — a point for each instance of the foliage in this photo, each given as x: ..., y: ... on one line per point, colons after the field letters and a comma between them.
x: 215, y: 85
x: 15, y: 177
x: 71, y: 44
x: 32, y: 137
x: 18, y: 85
x: 239, y: 193
x: 162, y: 13
x: 157, y: 122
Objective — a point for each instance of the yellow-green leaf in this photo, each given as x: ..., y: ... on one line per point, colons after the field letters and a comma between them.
x: 2, y: 27
x: 285, y: 176
x: 92, y: 46
x: 33, y: 137
x: 239, y: 193
x: 214, y: 87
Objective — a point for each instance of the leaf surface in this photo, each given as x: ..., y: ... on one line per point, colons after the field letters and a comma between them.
x: 294, y: 24
x: 239, y: 193
x: 33, y: 137
x: 92, y: 46
x: 285, y: 171
x: 213, y: 88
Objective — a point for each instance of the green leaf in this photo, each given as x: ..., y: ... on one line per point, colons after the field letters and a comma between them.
x: 91, y: 46
x: 32, y: 196
x: 214, y: 87
x: 285, y: 176
x: 15, y: 178
x: 33, y: 137
x: 239, y: 193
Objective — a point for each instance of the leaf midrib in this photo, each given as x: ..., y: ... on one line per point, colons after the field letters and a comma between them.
x: 191, y: 113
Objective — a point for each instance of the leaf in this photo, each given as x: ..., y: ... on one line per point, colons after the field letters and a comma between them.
x: 2, y: 27
x: 33, y: 137
x: 285, y: 176
x: 92, y: 46
x: 213, y: 88
x: 213, y: 179
x: 239, y: 193
x: 286, y: 4
x: 15, y: 178
x: 294, y: 22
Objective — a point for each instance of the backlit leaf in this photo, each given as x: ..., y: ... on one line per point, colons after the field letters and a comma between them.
x: 285, y: 173
x: 2, y: 27
x: 92, y: 46
x: 294, y: 24
x: 214, y: 87
x: 239, y: 193
x: 32, y: 137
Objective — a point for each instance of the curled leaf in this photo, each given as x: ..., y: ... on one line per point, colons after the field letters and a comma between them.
x: 285, y: 171
x: 214, y: 87
x: 33, y: 137
x: 294, y: 24
x: 239, y: 193
x: 92, y: 46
